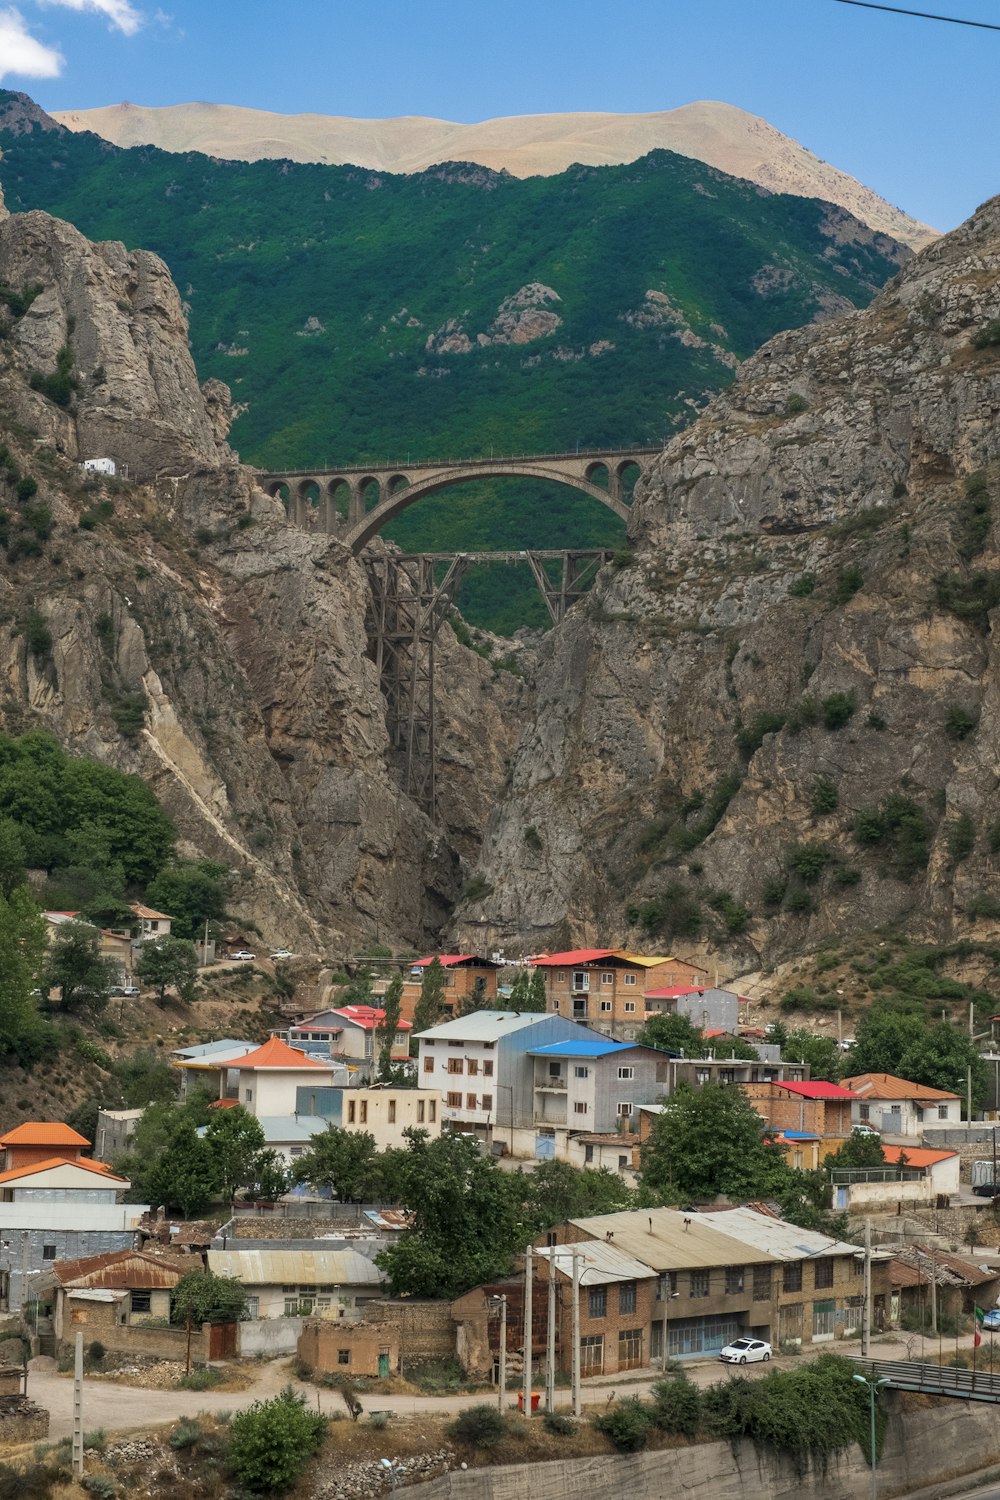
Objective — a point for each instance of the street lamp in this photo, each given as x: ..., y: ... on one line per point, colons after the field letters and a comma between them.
x: 874, y: 1386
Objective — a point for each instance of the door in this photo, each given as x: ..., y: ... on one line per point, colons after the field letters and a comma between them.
x: 222, y: 1341
x: 383, y: 1363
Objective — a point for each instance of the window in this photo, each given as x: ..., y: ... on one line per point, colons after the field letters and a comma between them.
x: 622, y: 1163
x: 430, y: 1043
x: 857, y: 1267
x: 629, y: 1348
x: 824, y: 1320
x: 592, y: 1354
x: 607, y: 978
x: 823, y: 1272
x: 248, y: 1095
x: 666, y: 1286
x: 455, y: 1065
x: 48, y: 1252
x: 588, y: 1153
x: 428, y: 1065
x: 488, y: 1067
x: 581, y: 1072
x: 488, y: 1045
x: 581, y: 979
x: 295, y: 1150
x: 432, y: 1111
x: 561, y: 976
x: 698, y: 1284
x: 487, y: 1102
x: 606, y: 1006
x: 470, y: 1101
x: 251, y: 1308
x: 761, y: 1283
x: 579, y: 1108
x: 624, y: 1110
x: 598, y: 1301
x: 628, y: 978
x: 629, y: 1005
x: 555, y: 1070
x: 472, y: 1066
x: 625, y: 1073
x: 141, y: 1302
x: 399, y: 1039
x: 351, y: 1111
x: 865, y: 1111
x: 454, y: 1101
x: 791, y: 1277
x: 343, y: 1356
x: 942, y: 1111
x: 454, y: 1044
x: 392, y: 1111
x: 420, y: 1111
x: 627, y: 1297
x: 734, y: 1281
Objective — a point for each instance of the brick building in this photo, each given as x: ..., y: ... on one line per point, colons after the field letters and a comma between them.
x: 819, y: 1108
x: 461, y: 971
x: 606, y: 987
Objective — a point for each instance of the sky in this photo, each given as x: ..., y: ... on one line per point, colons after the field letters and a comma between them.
x: 908, y: 106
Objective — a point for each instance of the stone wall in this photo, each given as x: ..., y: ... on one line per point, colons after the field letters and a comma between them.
x: 426, y: 1329
x: 161, y: 1343
x: 961, y: 1437
x: 21, y: 1421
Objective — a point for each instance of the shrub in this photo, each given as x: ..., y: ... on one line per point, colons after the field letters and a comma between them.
x: 96, y: 1441
x: 558, y: 1424
x: 901, y: 829
x: 101, y: 1486
x: 875, y: 721
x: 975, y: 516
x: 969, y: 596
x: 96, y: 1352
x: 477, y: 888
x: 675, y: 913
x: 986, y: 336
x: 187, y: 1432
x: 712, y: 810
x: 849, y: 580
x: 62, y: 385
x: 750, y: 736
x: 961, y: 838
x: 800, y: 997
x: 677, y: 1406
x: 982, y: 905
x: 838, y: 708
x: 808, y: 860
x: 796, y: 405
x: 532, y: 837
x: 37, y: 635
x: 824, y: 797
x: 802, y: 587
x: 734, y: 916
x: 479, y: 1427
x: 202, y: 1379
x: 272, y: 1441
x: 805, y: 712
x: 800, y: 903
x: 773, y: 892
x: 959, y: 722
x: 627, y: 1424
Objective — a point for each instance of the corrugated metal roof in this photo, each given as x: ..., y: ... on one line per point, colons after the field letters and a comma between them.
x: 597, y: 1047
x: 668, y: 1240
x: 291, y: 1127
x: 782, y: 1241
x: 92, y: 1294
x: 207, y: 1049
x: 818, y: 1090
x: 454, y: 961
x: 296, y: 1267
x: 485, y: 1025
x: 123, y: 1269
x: 572, y: 956
x: 887, y: 1086
x: 600, y: 1263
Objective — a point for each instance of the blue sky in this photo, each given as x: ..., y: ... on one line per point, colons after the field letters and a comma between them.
x: 910, y: 107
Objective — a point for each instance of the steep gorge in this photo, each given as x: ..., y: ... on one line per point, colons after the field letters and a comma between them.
x: 780, y: 720
x: 174, y: 625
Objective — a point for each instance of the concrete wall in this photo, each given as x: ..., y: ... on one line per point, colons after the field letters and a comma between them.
x: 21, y: 1421
x: 268, y: 1336
x: 962, y: 1437
x: 162, y: 1343
x: 62, y: 1244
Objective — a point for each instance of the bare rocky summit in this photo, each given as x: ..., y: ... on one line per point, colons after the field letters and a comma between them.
x: 718, y: 134
x: 778, y: 720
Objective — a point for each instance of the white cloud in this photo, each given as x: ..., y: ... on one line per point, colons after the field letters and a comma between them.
x: 119, y: 12
x: 21, y: 53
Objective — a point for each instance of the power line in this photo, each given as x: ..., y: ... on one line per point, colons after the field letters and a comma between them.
x: 924, y: 15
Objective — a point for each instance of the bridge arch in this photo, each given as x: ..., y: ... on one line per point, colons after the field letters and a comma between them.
x: 393, y: 504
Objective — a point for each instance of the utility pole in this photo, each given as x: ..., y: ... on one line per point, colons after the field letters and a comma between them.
x: 866, y: 1327
x: 502, y: 1362
x: 934, y: 1308
x: 968, y: 1084
x: 550, y: 1337
x: 527, y: 1331
x: 577, y: 1400
x: 78, y: 1406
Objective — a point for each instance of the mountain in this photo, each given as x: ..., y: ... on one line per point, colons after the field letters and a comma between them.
x: 358, y: 316
x: 776, y: 725
x: 730, y: 139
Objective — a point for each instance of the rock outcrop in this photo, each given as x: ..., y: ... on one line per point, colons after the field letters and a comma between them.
x: 778, y: 721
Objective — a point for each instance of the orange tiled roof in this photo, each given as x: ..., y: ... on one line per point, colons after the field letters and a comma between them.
x: 888, y: 1086
x: 915, y: 1156
x: 98, y: 1167
x: 277, y: 1054
x: 43, y: 1133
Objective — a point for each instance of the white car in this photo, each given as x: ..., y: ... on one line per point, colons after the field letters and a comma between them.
x: 745, y: 1352
x: 282, y: 953
x: 243, y: 953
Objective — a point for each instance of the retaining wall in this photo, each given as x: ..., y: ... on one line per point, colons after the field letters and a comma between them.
x: 268, y: 1336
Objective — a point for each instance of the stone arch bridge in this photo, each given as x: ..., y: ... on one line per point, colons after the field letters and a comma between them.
x: 354, y: 502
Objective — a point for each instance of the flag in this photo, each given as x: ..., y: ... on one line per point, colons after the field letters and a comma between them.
x: 980, y: 1315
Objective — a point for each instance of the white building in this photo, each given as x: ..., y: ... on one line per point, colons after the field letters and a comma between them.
x: 900, y: 1110
x: 152, y: 924
x: 296, y: 1283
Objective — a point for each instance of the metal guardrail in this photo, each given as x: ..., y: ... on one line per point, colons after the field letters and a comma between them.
x: 933, y: 1379
x: 461, y: 463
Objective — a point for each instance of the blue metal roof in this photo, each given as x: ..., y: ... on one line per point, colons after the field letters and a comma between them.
x: 797, y: 1135
x: 598, y: 1047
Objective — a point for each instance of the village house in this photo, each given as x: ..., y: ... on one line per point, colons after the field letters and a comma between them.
x: 349, y: 1035
x: 210, y: 1066
x: 297, y: 1283
x: 461, y: 972
x: 900, y: 1110
x: 606, y: 987
x: 928, y: 1285
x: 821, y: 1108
x: 115, y: 1129
x: 610, y: 1152
x: 108, y: 1296
x: 385, y: 1112
x: 265, y: 1079
x: 707, y: 1008
x: 911, y: 1177
x: 593, y: 1084
x: 150, y: 925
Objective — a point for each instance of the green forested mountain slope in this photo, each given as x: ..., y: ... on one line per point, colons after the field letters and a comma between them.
x: 359, y: 315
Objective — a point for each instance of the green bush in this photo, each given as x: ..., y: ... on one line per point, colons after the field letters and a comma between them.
x: 802, y: 587
x: 863, y: 521
x: 808, y: 860
x: 975, y: 516
x: 982, y: 905
x: 61, y: 386
x: 187, y: 1432
x: 479, y: 1427
x: 627, y: 1424
x: 272, y: 1441
x: 824, y: 797
x: 773, y: 891
x: 838, y: 708
x: 558, y: 1424
x: 800, y: 903
x: 202, y: 1379
x: 959, y: 722
x: 96, y: 1350
x: 101, y: 1486
x: 800, y: 997
x: 674, y: 914
x: 987, y: 336
x: 750, y: 736
x: 875, y: 721
x: 969, y: 596
x: 677, y: 1406
x: 900, y: 829
x: 849, y: 581
x: 37, y: 635
x: 961, y: 838
x: 796, y: 405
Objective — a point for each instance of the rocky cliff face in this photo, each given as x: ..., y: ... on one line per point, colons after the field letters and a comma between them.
x: 175, y: 626
x: 780, y: 720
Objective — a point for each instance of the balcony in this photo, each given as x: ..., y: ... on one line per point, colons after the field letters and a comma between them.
x: 551, y: 1086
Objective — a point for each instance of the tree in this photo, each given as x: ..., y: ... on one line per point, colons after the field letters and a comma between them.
x: 184, y: 1175
x: 733, y: 1046
x: 235, y: 1140
x: 537, y: 998
x: 269, y: 1176
x: 940, y: 1058
x: 427, y: 1011
x: 76, y: 968
x: 193, y: 893
x: 708, y: 1142
x: 11, y: 857
x: 820, y: 1053
x: 206, y: 1298
x: 23, y: 944
x: 883, y: 1034
x: 556, y: 1191
x: 672, y: 1033
x: 528, y: 991
x: 385, y: 1031
x: 861, y: 1149
x: 467, y: 1223
x: 168, y: 961
x: 342, y: 1160
x: 272, y: 1441
x: 475, y: 1000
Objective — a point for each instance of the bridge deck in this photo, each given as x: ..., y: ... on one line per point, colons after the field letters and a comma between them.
x: 484, y: 460
x: 933, y: 1379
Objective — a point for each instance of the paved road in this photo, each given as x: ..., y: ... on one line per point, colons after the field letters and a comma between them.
x: 116, y: 1407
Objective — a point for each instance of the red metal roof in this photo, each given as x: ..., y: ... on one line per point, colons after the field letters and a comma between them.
x: 574, y: 956
x: 452, y: 960
x: 43, y: 1133
x: 818, y: 1090
x: 367, y: 1017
